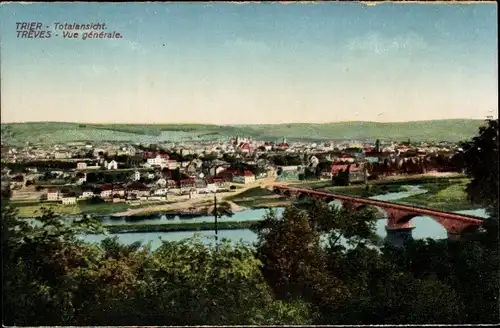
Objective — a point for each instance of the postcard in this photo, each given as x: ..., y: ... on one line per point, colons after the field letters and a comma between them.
x: 249, y: 163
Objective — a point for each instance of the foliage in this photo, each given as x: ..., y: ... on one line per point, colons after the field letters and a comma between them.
x: 481, y: 164
x: 314, y: 264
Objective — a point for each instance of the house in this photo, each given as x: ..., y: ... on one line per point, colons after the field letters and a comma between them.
x: 161, y: 182
x: 216, y: 170
x: 68, y: 200
x: 244, y: 177
x: 113, y: 165
x: 106, y: 191
x: 53, y: 194
x: 187, y: 183
x: 118, y: 191
x: 87, y: 193
x: 160, y: 191
x: 172, y: 164
x: 244, y: 147
x: 156, y: 159
x: 137, y: 189
x: 81, y: 166
x: 136, y: 176
x: 355, y: 173
x: 60, y: 155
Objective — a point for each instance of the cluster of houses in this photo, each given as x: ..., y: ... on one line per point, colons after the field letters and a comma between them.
x: 137, y: 190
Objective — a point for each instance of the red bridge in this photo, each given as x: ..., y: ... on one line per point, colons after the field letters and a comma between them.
x: 398, y: 216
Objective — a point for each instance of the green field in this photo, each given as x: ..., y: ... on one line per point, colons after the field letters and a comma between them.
x: 444, y: 197
x: 31, y: 210
x: 54, y: 132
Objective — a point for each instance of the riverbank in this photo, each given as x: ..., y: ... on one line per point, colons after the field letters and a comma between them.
x: 444, y: 197
x: 178, y: 227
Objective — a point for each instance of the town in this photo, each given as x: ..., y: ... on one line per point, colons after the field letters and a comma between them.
x: 85, y: 173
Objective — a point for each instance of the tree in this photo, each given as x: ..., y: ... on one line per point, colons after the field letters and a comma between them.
x: 293, y: 262
x: 223, y: 209
x: 481, y: 165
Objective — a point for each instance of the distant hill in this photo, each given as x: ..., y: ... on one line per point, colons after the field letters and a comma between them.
x: 56, y: 132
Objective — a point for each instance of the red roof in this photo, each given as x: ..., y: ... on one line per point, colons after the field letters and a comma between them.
x: 377, y: 154
x: 245, y: 146
x: 283, y: 144
x: 336, y: 168
x: 215, y: 180
x: 52, y: 190
x: 150, y: 154
x: 245, y: 173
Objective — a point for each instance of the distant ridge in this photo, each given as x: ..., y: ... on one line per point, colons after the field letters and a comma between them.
x: 60, y: 132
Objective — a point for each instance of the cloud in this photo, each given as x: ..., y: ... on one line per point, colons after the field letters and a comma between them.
x: 379, y: 44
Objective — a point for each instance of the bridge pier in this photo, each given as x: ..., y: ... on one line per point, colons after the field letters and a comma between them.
x: 399, y: 236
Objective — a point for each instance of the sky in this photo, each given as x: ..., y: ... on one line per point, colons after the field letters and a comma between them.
x: 226, y: 63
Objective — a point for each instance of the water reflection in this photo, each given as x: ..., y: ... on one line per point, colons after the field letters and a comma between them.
x: 425, y: 227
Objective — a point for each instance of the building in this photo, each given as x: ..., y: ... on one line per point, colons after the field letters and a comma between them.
x: 68, y: 200
x: 160, y: 192
x: 106, y: 191
x: 244, y: 177
x: 87, y: 194
x: 158, y: 159
x: 81, y: 166
x: 161, y: 182
x: 345, y: 174
x: 53, y: 194
x: 113, y: 165
x: 136, y: 176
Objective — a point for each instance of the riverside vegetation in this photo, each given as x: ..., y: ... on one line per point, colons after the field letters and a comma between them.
x: 289, y: 277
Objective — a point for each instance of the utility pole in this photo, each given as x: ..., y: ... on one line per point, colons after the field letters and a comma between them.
x: 216, y: 225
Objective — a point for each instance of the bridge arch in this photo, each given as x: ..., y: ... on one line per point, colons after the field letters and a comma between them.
x: 301, y: 196
x: 336, y: 203
x: 424, y: 226
x: 470, y: 231
x: 380, y: 213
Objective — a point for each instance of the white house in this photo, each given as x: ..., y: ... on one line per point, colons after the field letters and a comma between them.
x: 87, y: 194
x: 160, y: 192
x: 81, y: 166
x: 53, y: 194
x: 106, y: 193
x: 161, y: 182
x: 113, y: 165
x: 137, y: 176
x: 211, y: 187
x: 158, y: 160
x: 68, y: 200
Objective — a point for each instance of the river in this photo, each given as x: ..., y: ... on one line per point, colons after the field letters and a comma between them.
x: 425, y: 227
